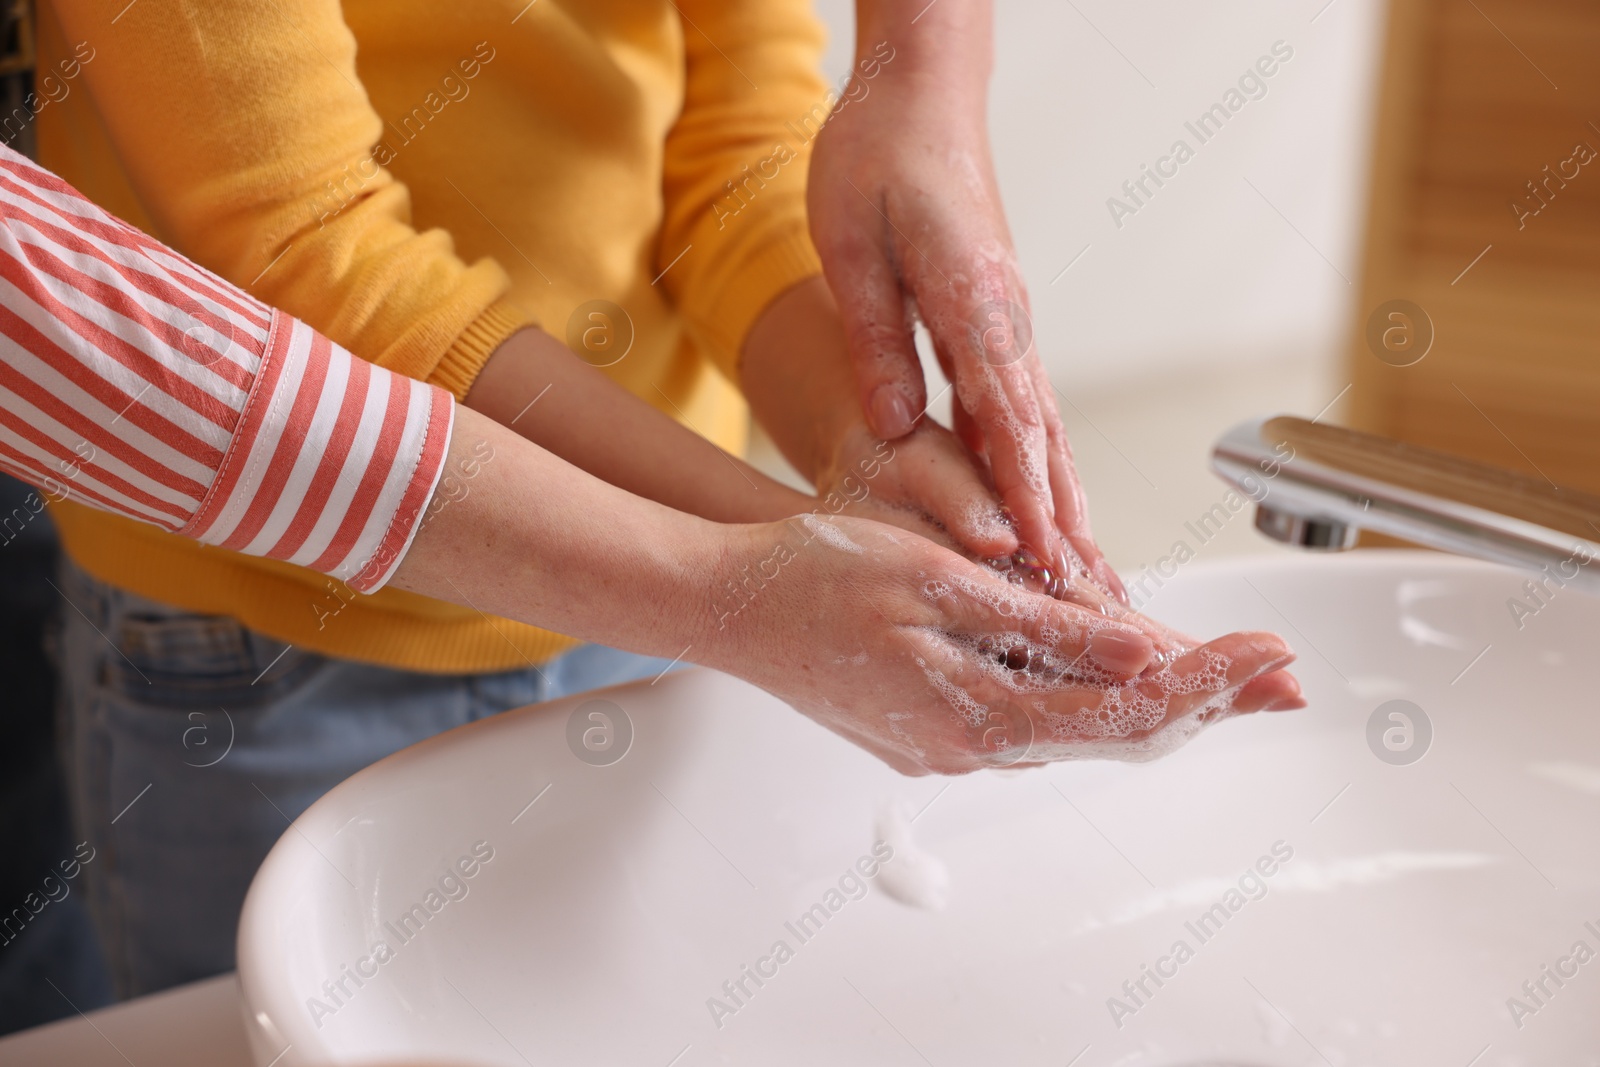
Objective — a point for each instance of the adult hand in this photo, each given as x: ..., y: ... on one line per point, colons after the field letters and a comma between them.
x: 796, y: 374
x: 937, y: 665
x: 906, y: 215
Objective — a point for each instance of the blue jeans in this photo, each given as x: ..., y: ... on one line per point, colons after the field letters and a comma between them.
x: 192, y: 741
x: 49, y: 957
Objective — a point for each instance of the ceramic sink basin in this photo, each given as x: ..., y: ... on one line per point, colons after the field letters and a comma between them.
x: 1334, y: 886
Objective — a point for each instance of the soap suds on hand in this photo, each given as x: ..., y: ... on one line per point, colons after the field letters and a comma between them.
x: 830, y: 535
x: 913, y: 877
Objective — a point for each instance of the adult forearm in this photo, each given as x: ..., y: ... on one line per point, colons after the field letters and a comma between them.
x: 525, y: 535
x: 535, y: 385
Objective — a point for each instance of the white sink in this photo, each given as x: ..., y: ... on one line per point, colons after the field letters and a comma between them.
x: 1418, y: 899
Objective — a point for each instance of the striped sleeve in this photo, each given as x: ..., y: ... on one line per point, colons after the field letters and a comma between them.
x: 134, y: 381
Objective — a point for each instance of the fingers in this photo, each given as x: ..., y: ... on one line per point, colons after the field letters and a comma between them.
x: 1072, y: 506
x: 1002, y: 714
x: 1072, y: 512
x: 982, y: 332
x: 1045, y: 635
x: 1197, y: 677
x: 1004, y: 408
x: 1007, y: 414
x: 1275, y: 691
x: 1139, y: 713
x: 945, y: 482
x: 1006, y: 411
x: 967, y: 430
x: 873, y: 309
x: 1122, y: 651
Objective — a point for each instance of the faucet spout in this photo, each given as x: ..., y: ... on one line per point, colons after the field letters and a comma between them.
x: 1316, y: 486
x: 1315, y: 533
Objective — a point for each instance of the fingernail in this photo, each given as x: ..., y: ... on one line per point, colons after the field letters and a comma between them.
x: 1275, y: 664
x: 891, y: 413
x: 1286, y: 704
x: 1121, y: 651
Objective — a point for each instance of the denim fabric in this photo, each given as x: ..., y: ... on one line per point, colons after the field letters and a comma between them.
x: 192, y: 742
x: 49, y: 957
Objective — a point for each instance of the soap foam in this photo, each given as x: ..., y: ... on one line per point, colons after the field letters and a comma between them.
x: 1079, y: 709
x: 830, y: 534
x: 966, y: 707
x: 913, y: 877
x: 986, y: 520
x: 1007, y: 601
x: 907, y: 741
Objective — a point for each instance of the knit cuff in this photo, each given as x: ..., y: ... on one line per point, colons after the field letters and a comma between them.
x: 782, y: 264
x: 459, y: 367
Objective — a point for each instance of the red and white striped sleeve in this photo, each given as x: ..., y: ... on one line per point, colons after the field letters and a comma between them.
x: 134, y: 381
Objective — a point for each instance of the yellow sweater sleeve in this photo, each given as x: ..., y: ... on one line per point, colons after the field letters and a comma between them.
x: 734, y: 180
x: 248, y: 138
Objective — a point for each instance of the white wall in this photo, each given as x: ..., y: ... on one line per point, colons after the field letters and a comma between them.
x: 1208, y: 275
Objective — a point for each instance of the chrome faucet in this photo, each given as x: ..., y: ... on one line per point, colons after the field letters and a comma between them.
x: 1317, y: 486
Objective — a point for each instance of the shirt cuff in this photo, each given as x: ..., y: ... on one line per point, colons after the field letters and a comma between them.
x: 332, y: 463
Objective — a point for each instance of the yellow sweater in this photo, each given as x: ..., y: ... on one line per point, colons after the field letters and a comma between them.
x: 417, y: 180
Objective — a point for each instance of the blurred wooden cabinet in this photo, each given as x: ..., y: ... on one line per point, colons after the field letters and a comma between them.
x: 1484, y: 213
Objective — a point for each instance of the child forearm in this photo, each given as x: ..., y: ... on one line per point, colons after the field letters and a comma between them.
x: 536, y: 386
